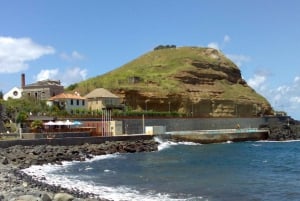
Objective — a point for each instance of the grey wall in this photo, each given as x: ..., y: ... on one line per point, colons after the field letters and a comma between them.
x: 133, y: 126
x: 55, y: 135
x: 72, y: 141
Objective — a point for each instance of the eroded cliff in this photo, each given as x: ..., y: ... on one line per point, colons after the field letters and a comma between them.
x: 192, y: 80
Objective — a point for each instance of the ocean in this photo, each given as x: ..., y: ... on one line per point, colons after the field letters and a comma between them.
x: 186, y: 171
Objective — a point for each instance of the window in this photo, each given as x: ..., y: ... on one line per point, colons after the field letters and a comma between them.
x: 77, y: 102
x: 83, y: 102
x: 71, y: 101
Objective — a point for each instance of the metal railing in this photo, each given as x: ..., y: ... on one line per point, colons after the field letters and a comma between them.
x: 220, y: 131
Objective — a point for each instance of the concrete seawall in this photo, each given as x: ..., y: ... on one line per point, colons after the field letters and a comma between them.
x: 217, y: 136
x: 191, y: 127
x: 135, y: 125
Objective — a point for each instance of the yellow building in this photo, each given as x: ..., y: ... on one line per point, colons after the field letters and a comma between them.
x: 100, y: 99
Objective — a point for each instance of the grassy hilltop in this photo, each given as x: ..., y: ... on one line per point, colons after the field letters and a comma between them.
x: 194, y: 80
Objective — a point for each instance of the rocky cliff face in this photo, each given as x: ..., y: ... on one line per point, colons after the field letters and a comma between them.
x: 195, y: 81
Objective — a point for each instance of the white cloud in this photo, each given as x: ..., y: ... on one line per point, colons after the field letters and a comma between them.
x: 257, y: 81
x: 297, y: 79
x: 239, y: 60
x: 73, y: 75
x: 226, y: 39
x: 16, y: 52
x: 285, y: 97
x: 47, y: 74
x: 283, y: 89
x: 296, y: 99
x: 74, y: 56
x: 213, y: 45
x: 217, y: 46
x: 67, y: 76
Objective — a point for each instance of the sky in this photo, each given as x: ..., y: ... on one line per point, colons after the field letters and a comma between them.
x: 73, y: 40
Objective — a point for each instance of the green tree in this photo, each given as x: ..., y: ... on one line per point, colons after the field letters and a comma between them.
x: 21, y: 117
x: 17, y: 109
x: 72, y: 87
x: 36, y: 125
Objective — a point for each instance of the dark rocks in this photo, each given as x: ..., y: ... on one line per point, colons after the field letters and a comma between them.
x: 4, y: 161
x: 16, y: 185
x: 283, y: 132
x: 288, y: 129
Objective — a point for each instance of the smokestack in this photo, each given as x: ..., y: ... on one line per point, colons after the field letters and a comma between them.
x: 23, y: 80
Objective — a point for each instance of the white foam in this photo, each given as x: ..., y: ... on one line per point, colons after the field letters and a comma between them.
x: 189, y: 143
x: 103, y: 157
x: 118, y: 193
x: 167, y: 144
x: 49, y: 168
x: 283, y: 141
x: 45, y: 173
x: 88, y: 168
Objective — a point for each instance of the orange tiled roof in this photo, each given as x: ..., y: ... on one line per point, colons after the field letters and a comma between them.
x: 66, y: 96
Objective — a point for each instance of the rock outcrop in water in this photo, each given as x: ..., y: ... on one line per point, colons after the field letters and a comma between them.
x: 283, y: 129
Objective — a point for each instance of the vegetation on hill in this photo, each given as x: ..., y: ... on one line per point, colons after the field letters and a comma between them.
x: 153, y: 71
x: 190, y: 80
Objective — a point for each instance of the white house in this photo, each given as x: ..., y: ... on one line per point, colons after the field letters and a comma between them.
x: 72, y: 103
x: 14, y: 93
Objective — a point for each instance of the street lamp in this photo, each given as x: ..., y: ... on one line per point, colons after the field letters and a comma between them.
x: 146, y: 101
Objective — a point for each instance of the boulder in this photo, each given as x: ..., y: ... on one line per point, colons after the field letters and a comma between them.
x: 45, y: 197
x: 4, y: 161
x: 63, y: 197
x: 27, y: 198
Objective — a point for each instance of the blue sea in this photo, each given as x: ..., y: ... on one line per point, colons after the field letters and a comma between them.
x: 187, y: 171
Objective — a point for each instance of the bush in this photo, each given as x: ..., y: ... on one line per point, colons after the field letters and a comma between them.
x: 164, y: 47
x: 36, y: 125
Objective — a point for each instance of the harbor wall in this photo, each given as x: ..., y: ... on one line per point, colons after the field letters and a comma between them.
x: 216, y: 136
x: 135, y: 125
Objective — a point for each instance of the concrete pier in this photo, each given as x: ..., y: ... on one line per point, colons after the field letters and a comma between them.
x: 217, y: 136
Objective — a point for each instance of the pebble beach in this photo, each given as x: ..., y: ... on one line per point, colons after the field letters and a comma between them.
x: 16, y: 185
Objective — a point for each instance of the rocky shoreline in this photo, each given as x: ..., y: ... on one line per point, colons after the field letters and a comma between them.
x: 16, y: 185
x: 283, y: 130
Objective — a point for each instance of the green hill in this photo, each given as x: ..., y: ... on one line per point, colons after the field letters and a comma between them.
x: 193, y: 80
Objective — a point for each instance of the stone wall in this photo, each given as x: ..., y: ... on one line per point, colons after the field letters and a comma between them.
x: 72, y: 141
